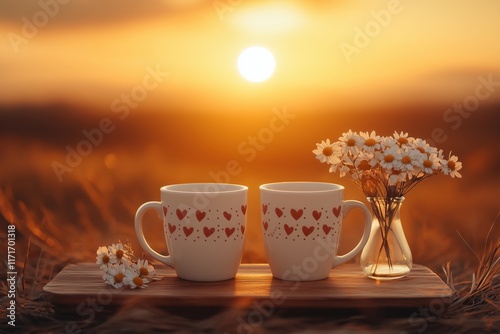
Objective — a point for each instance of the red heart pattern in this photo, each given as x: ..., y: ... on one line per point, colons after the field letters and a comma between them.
x: 288, y: 229
x: 171, y: 228
x: 188, y: 230
x: 326, y: 229
x: 208, y: 231
x: 307, y: 230
x: 296, y: 214
x: 181, y: 214
x: 229, y: 231
x: 279, y: 213
x: 200, y: 215
x: 336, y: 211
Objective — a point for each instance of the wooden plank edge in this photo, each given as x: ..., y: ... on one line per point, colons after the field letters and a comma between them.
x: 225, y: 301
x: 249, y: 302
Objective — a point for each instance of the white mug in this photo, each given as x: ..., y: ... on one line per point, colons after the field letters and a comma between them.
x: 204, y: 226
x: 301, y: 223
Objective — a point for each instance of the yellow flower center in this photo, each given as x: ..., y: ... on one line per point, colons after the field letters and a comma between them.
x: 421, y: 149
x: 389, y: 158
x: 143, y: 271
x: 402, y: 140
x: 427, y: 163
x: 406, y: 160
x: 327, y: 151
x: 451, y: 165
x: 364, y: 165
x: 370, y: 142
x: 351, y: 142
x: 119, y: 277
x: 119, y: 254
x: 138, y: 281
x: 105, y: 259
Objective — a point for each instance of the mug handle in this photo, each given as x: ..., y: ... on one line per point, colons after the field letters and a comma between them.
x: 348, y: 205
x: 157, y: 206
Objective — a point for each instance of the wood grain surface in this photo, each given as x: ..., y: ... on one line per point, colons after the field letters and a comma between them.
x: 346, y: 287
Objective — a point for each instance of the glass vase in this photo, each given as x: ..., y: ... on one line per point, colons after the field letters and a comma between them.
x: 387, y: 254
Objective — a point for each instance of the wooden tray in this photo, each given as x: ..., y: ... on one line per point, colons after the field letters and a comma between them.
x: 346, y: 287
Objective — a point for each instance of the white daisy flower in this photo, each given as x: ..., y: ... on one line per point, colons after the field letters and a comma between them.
x: 134, y: 280
x: 102, y: 257
x: 370, y: 157
x: 118, y: 254
x: 145, y: 270
x: 115, y: 275
x: 350, y: 143
x: 422, y: 146
x: 387, y: 142
x: 431, y: 164
x: 402, y: 138
x: 410, y: 159
x: 327, y: 152
x: 389, y: 158
x: 451, y: 166
x: 371, y: 141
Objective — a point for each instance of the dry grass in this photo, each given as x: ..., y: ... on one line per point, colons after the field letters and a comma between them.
x: 479, y: 296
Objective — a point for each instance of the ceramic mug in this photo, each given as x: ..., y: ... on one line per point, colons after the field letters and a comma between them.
x: 301, y: 224
x: 204, y: 226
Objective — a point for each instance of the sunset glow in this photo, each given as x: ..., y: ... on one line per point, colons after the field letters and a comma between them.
x: 256, y: 64
x: 104, y: 102
x: 335, y: 48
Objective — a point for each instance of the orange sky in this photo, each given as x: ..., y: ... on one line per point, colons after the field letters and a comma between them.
x: 93, y: 52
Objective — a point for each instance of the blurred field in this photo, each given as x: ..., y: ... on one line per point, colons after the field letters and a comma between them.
x: 95, y: 202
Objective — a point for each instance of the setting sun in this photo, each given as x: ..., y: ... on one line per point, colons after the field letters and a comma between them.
x: 256, y: 64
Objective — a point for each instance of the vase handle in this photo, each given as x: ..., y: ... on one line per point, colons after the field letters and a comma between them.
x: 348, y: 205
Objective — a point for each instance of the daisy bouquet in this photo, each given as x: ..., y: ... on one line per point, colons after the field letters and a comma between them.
x: 385, y: 168
x: 121, y: 269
